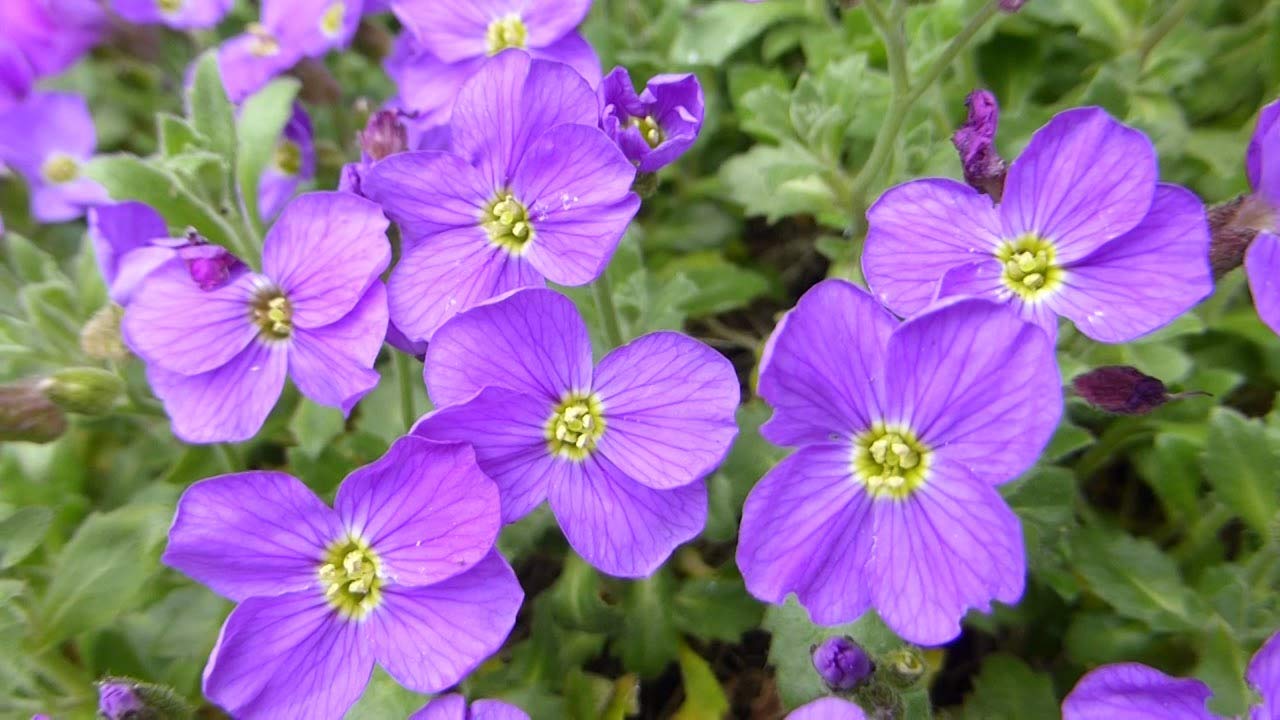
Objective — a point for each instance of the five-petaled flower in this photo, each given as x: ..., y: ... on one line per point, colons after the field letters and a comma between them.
x: 289, y: 31
x: 619, y: 450
x: 903, y: 433
x: 401, y: 572
x: 48, y: 138
x: 656, y: 126
x: 217, y: 356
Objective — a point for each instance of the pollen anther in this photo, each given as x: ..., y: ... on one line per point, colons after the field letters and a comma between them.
x: 507, y: 222
x: 508, y: 31
x: 890, y: 461
x: 575, y: 426
x: 1029, y: 267
x: 352, y: 577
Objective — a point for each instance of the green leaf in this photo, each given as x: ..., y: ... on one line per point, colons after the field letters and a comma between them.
x: 1171, y: 467
x: 716, y: 609
x: 315, y: 426
x: 716, y: 31
x: 177, y: 136
x: 1138, y: 580
x: 261, y: 123
x: 211, y: 112
x: 576, y: 598
x: 102, y: 570
x: 385, y: 698
x: 1243, y: 467
x: 1222, y: 665
x: 704, y: 699
x: 647, y: 641
x: 1006, y: 689
x: 719, y: 285
x: 1067, y: 439
x: 22, y: 531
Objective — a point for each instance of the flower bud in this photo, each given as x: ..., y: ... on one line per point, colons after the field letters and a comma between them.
x: 1121, y: 389
x: 903, y: 668
x: 83, y: 390
x: 842, y: 664
x: 27, y: 415
x: 1012, y: 6
x: 126, y: 699
x: 1232, y: 226
x: 100, y: 338
x: 117, y: 701
x: 984, y: 169
x: 384, y: 135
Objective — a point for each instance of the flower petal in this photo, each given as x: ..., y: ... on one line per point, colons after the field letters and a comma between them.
x: 576, y: 184
x: 822, y: 368
x: 976, y: 384
x: 953, y: 544
x: 251, y: 534
x: 447, y: 273
x: 828, y: 708
x: 333, y: 365
x: 1084, y: 179
x: 550, y: 20
x: 428, y: 192
x: 175, y: 325
x: 919, y: 230
x: 430, y: 637
x: 1144, y: 279
x: 807, y: 529
x: 983, y: 280
x: 1264, y: 677
x: 1263, y: 144
x: 452, y: 31
x: 425, y: 508
x: 288, y: 657
x: 532, y: 341
x: 1132, y: 691
x: 324, y: 252
x: 443, y: 707
x: 1262, y: 265
x: 572, y: 50
x: 117, y: 230
x: 620, y: 526
x: 226, y: 404
x: 509, y: 433
x: 669, y: 404
x: 496, y: 710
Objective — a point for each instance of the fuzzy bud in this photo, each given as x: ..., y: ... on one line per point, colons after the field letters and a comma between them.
x: 117, y: 701
x: 384, y: 135
x: 83, y: 390
x: 975, y: 140
x: 27, y: 415
x: 100, y: 338
x: 126, y: 699
x: 903, y: 668
x: 1121, y: 389
x: 842, y: 664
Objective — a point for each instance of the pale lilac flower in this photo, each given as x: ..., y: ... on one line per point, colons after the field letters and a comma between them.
x: 828, y: 708
x: 184, y: 14
x: 1083, y: 230
x: 47, y: 139
x: 658, y: 125
x: 454, y: 707
x: 1262, y: 260
x: 49, y: 35
x: 218, y: 357
x: 619, y: 449
x: 292, y: 164
x: 400, y: 572
x: 289, y: 30
x: 903, y: 431
x: 531, y: 190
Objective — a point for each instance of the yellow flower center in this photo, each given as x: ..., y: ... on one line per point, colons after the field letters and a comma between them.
x: 575, y: 426
x: 649, y: 130
x: 507, y: 222
x: 351, y: 576
x: 890, y: 461
x: 288, y: 157
x: 264, y: 43
x: 507, y: 31
x: 60, y: 168
x: 169, y: 6
x: 273, y: 314
x: 331, y: 20
x: 1029, y: 268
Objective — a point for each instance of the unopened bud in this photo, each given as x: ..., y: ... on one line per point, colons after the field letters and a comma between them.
x: 126, y: 699
x: 842, y: 664
x: 1121, y: 389
x: 83, y: 390
x: 975, y: 140
x: 117, y: 701
x: 903, y: 668
x: 101, y: 338
x: 1012, y: 6
x: 384, y: 135
x: 27, y: 415
x: 211, y: 266
x: 1232, y: 226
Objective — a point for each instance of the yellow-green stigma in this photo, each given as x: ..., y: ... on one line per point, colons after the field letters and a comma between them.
x: 331, y: 20
x: 169, y: 6
x: 507, y: 222
x: 575, y: 426
x: 288, y: 157
x: 890, y: 461
x: 264, y: 43
x: 350, y: 576
x: 649, y: 130
x: 273, y: 314
x: 60, y: 168
x: 507, y: 31
x: 1029, y: 269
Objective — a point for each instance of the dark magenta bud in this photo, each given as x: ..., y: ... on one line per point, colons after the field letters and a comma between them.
x: 384, y: 135
x: 975, y: 140
x: 1121, y: 389
x: 842, y: 663
x: 1012, y: 6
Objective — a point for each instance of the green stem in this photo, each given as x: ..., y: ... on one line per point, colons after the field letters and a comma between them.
x: 406, y: 377
x: 608, y: 313
x: 1156, y: 33
x: 230, y: 456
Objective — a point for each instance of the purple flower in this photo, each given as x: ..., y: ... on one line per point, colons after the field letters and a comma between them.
x: 903, y: 433
x: 317, y: 312
x: 450, y: 41
x: 127, y: 230
x: 531, y: 190
x: 294, y: 163
x: 1133, y: 691
x: 16, y: 75
x: 1262, y: 260
x: 184, y: 14
x: 289, y: 31
x: 619, y: 450
x: 1083, y: 230
x: 828, y: 708
x: 388, y: 132
x: 658, y: 125
x: 50, y: 34
x: 400, y: 572
x: 454, y: 707
x: 117, y: 701
x: 47, y: 138
x: 842, y: 664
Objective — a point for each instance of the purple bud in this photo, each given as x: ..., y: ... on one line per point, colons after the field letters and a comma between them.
x: 211, y: 266
x: 841, y: 663
x: 984, y: 169
x: 384, y: 135
x: 117, y: 701
x: 1121, y: 389
x: 1012, y: 6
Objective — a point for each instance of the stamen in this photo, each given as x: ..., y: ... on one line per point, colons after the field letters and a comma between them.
x: 650, y: 130
x: 272, y: 313
x: 264, y: 43
x: 575, y: 426
x: 331, y: 20
x: 1029, y: 268
x: 351, y: 576
x: 507, y: 223
x: 60, y: 168
x: 508, y: 31
x: 890, y: 461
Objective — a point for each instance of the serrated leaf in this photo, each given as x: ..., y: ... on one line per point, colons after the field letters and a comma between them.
x: 177, y: 136
x: 1006, y: 689
x: 1137, y: 579
x: 211, y: 112
x: 262, y: 120
x: 1243, y: 468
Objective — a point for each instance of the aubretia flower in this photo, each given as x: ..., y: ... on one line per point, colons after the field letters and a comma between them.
x: 47, y: 139
x: 289, y: 31
x: 619, y: 449
x: 1133, y: 691
x: 1262, y: 260
x: 454, y: 707
x: 185, y: 14
x: 217, y: 354
x: 294, y: 163
x: 401, y: 572
x: 903, y: 433
x: 532, y: 189
x: 50, y: 35
x: 1083, y: 230
x: 450, y: 41
x: 658, y: 125
x: 828, y: 708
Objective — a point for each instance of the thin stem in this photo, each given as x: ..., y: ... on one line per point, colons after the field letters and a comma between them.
x: 406, y: 377
x: 608, y: 313
x: 1167, y: 22
x: 958, y: 43
x: 230, y: 456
